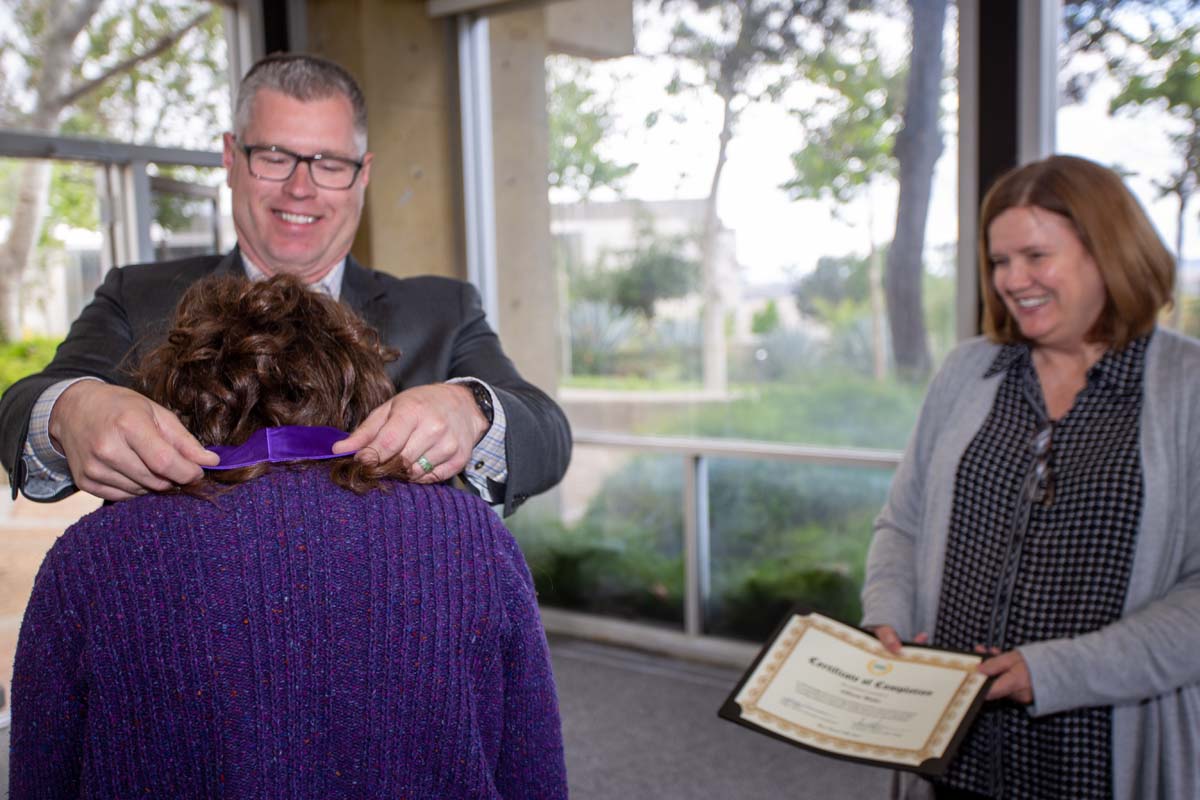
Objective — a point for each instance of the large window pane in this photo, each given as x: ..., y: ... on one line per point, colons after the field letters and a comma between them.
x: 735, y: 253
x: 785, y: 534
x: 147, y: 73
x: 188, y: 218
x: 137, y: 72
x: 1129, y: 84
x: 612, y: 541
x: 716, y: 237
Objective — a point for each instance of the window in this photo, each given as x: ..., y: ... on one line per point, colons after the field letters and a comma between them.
x: 1127, y: 90
x: 139, y: 79
x: 734, y: 262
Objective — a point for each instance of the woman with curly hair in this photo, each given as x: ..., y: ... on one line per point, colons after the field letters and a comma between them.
x: 297, y: 624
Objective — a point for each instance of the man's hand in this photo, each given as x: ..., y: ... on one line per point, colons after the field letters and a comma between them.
x: 1012, y: 677
x: 120, y: 444
x: 438, y: 422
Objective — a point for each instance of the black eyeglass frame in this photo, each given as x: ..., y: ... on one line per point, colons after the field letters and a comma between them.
x: 250, y: 149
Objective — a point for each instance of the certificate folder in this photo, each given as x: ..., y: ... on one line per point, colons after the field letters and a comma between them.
x: 834, y: 689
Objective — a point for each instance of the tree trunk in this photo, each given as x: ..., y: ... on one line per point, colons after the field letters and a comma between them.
x: 33, y: 185
x: 713, y: 314
x: 918, y: 147
x: 33, y: 188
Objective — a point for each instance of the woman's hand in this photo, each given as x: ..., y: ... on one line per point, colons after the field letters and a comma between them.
x: 1012, y: 677
x: 888, y: 637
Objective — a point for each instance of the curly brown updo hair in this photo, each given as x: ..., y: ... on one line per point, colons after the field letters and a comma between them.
x: 241, y: 356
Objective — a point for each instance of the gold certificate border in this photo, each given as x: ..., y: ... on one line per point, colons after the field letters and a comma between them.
x: 782, y: 650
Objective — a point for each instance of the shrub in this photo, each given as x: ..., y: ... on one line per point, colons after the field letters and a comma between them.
x: 24, y: 357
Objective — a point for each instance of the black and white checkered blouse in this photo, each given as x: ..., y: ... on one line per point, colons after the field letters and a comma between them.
x: 1041, y: 543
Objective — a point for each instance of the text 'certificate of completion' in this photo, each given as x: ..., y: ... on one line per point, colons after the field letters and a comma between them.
x: 833, y: 688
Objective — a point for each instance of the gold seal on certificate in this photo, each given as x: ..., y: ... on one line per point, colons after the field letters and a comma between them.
x: 833, y: 688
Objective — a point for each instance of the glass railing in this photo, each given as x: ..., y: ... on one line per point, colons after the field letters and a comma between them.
x: 705, y: 537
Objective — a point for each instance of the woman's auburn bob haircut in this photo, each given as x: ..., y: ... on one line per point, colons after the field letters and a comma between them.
x: 1137, y: 269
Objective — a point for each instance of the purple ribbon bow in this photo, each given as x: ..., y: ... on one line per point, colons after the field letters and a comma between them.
x: 276, y: 445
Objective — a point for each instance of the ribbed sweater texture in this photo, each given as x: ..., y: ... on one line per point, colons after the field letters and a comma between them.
x: 288, y: 640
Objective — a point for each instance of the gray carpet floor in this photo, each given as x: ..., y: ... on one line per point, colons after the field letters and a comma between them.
x: 642, y: 727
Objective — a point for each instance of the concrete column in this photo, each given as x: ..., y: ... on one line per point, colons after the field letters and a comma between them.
x: 413, y: 221
x: 528, y: 291
x: 405, y: 62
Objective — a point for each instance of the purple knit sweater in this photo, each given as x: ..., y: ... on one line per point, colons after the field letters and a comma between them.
x: 292, y: 640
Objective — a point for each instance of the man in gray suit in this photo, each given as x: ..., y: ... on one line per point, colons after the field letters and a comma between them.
x: 298, y: 168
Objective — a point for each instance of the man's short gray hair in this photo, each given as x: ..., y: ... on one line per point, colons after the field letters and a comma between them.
x: 304, y: 78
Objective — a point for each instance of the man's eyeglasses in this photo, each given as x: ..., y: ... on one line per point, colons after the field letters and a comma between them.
x: 271, y: 163
x: 1043, y: 478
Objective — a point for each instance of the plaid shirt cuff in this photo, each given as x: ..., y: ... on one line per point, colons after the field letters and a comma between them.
x: 46, y: 470
x: 488, y: 461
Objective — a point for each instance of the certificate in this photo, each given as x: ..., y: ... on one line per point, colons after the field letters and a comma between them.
x: 833, y: 688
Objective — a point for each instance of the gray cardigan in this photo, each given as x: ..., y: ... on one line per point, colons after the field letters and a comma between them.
x: 1146, y: 664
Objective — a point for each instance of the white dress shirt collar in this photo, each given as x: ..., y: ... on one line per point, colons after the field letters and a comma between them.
x: 331, y: 284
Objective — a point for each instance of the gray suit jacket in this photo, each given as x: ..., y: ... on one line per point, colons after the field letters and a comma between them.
x: 437, y: 324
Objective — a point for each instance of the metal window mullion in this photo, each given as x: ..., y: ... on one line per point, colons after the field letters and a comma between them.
x: 479, y: 197
x: 1037, y: 71
x: 696, y: 545
x: 967, y: 321
x: 139, y: 211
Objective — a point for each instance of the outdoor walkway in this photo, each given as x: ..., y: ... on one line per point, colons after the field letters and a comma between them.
x: 643, y: 727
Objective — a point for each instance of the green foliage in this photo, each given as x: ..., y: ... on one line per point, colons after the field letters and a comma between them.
x: 24, y: 357
x: 1104, y: 26
x: 782, y: 533
x: 657, y: 268
x: 175, y: 212
x: 177, y: 97
x: 765, y: 320
x: 72, y: 200
x: 836, y: 280
x: 1169, y: 81
x: 851, y: 126
x: 823, y: 407
x: 180, y: 97
x: 754, y: 604
x: 608, y: 341
x: 611, y: 308
x: 599, y: 568
x: 579, y: 119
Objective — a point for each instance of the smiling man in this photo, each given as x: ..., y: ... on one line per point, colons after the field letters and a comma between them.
x: 298, y: 168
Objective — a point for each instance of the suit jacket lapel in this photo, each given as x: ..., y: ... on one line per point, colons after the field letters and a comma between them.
x: 230, y: 264
x: 367, y: 295
x: 361, y: 291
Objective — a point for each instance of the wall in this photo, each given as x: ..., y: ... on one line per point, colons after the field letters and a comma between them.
x: 405, y: 62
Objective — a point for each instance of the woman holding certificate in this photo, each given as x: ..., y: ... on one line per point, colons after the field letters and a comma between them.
x: 1047, y: 510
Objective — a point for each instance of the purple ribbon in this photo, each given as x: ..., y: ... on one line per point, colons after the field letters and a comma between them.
x: 276, y: 445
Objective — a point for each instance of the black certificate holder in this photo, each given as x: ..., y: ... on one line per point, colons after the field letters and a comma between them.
x: 931, y: 768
